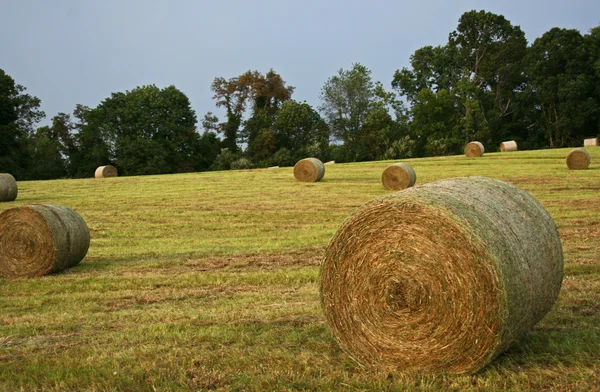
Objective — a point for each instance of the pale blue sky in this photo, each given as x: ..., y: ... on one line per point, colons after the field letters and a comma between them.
x: 67, y: 51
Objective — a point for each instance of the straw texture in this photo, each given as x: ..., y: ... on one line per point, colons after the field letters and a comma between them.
x: 590, y: 142
x: 309, y: 170
x: 398, y: 176
x: 578, y: 159
x: 41, y: 239
x: 474, y: 149
x: 441, y: 277
x: 106, y: 171
x: 510, y: 145
x: 8, y: 187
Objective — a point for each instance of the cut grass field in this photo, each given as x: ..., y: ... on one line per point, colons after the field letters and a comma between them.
x: 210, y: 281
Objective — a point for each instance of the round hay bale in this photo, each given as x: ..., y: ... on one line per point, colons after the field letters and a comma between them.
x: 329, y: 163
x: 309, y: 170
x: 106, y: 171
x: 398, y: 176
x: 474, y: 150
x: 41, y: 239
x: 578, y: 159
x: 590, y: 142
x: 441, y: 277
x: 510, y: 145
x: 8, y: 187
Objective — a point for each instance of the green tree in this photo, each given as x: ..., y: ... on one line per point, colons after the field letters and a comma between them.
x: 88, y: 146
x: 149, y: 130
x: 47, y: 160
x: 357, y: 111
x: 19, y: 112
x: 561, y: 77
x: 300, y: 129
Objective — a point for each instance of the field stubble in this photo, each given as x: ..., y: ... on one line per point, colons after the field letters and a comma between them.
x: 209, y: 281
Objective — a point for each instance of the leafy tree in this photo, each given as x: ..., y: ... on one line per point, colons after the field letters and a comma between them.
x: 561, y: 77
x: 19, y: 112
x: 148, y: 130
x: 346, y: 99
x: 89, y: 146
x: 47, y: 160
x: 263, y: 92
x: 207, y: 149
x: 299, y: 128
x: 357, y: 111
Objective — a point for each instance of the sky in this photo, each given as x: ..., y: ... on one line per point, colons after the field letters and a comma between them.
x: 69, y: 52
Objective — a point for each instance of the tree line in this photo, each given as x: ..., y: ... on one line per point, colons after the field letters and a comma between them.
x: 486, y: 83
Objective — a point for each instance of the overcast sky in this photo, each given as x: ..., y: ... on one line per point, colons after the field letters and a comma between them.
x: 67, y: 52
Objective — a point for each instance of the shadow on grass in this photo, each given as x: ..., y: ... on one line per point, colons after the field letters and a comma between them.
x: 550, y: 347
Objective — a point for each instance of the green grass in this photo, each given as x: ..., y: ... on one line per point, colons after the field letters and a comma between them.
x: 209, y: 281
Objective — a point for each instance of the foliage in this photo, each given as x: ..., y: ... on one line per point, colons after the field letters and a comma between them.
x: 19, y: 112
x: 149, y: 130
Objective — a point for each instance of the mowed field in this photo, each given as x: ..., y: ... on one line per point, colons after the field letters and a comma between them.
x: 210, y: 281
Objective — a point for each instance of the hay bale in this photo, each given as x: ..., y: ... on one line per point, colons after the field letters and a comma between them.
x: 474, y: 149
x: 273, y: 167
x: 329, y: 163
x: 398, y: 176
x: 510, y: 145
x: 41, y: 239
x: 8, y: 187
x: 578, y: 159
x: 590, y: 142
x: 441, y: 277
x: 106, y: 171
x: 309, y: 170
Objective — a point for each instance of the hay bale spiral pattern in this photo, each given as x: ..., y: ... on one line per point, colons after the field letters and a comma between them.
x: 8, y: 187
x: 474, y: 149
x: 508, y: 146
x: 398, y: 176
x: 578, y: 159
x: 441, y: 277
x: 309, y: 170
x: 41, y: 239
x: 106, y: 171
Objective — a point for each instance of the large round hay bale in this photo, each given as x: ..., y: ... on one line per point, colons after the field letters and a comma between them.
x: 441, y: 277
x: 398, y: 176
x: 474, y: 149
x: 578, y: 159
x: 41, y: 239
x: 309, y: 170
x: 8, y: 187
x: 510, y: 145
x: 590, y: 142
x: 106, y: 171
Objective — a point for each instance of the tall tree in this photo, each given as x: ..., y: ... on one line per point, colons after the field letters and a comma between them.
x: 561, y: 76
x: 301, y: 130
x: 19, y: 112
x: 149, y: 130
x: 261, y: 92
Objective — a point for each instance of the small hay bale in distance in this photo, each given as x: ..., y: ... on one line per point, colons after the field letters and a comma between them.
x: 442, y: 277
x: 508, y: 146
x: 578, y: 159
x: 106, y: 171
x: 474, y: 149
x: 8, y: 187
x: 329, y: 163
x: 309, y: 170
x: 590, y: 142
x: 398, y: 176
x: 41, y: 239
